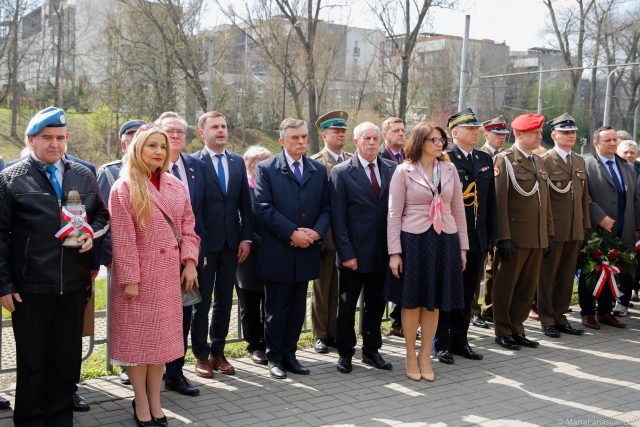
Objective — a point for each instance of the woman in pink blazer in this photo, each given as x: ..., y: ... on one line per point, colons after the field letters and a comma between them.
x: 145, y: 323
x: 427, y: 242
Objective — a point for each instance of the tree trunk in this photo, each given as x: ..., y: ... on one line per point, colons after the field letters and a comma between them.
x: 404, y: 89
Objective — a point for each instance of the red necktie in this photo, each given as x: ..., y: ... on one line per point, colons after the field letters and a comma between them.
x: 374, y: 180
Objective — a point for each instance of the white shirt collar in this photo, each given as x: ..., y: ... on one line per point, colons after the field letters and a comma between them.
x: 561, y: 152
x: 290, y: 160
x: 466, y: 154
x: 365, y: 163
x: 212, y: 153
x: 604, y: 160
x: 178, y: 162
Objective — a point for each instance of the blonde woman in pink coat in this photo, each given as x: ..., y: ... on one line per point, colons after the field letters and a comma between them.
x: 145, y: 324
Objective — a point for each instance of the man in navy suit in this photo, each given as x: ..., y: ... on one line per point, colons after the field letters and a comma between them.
x: 229, y: 230
x: 292, y: 206
x: 359, y: 191
x: 193, y: 174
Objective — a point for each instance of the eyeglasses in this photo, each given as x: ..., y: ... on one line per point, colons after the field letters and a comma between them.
x: 178, y: 132
x: 441, y: 141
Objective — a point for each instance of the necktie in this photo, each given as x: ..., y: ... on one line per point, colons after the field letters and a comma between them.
x: 568, y: 159
x: 614, y: 176
x: 175, y: 171
x: 374, y: 180
x: 397, y: 155
x: 296, y: 171
x: 54, y: 181
x: 470, y: 159
x: 223, y: 180
x: 339, y: 160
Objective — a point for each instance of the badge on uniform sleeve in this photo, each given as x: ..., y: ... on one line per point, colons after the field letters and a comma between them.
x: 496, y: 171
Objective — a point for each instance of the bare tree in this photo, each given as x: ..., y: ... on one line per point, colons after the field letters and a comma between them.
x: 402, y: 44
x: 569, y: 25
x: 176, y: 24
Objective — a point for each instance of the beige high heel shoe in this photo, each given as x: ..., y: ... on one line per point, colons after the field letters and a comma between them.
x: 412, y: 372
x: 424, y: 372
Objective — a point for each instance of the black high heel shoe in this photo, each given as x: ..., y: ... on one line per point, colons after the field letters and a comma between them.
x: 162, y: 421
x: 139, y: 423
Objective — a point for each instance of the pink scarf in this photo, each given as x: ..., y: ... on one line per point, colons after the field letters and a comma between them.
x: 437, y: 208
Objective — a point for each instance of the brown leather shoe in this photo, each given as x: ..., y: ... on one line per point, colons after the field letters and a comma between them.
x: 611, y: 320
x: 590, y: 321
x: 220, y: 363
x: 203, y: 368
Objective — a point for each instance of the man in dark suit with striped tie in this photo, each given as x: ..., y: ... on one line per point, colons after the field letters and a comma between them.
x: 359, y: 190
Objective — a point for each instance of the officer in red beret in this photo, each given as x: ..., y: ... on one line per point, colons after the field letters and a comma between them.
x: 525, y: 228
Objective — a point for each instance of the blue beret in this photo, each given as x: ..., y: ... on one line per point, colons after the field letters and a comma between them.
x: 50, y: 116
x: 130, y: 126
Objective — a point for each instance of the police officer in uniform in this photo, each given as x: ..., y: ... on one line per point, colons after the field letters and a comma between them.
x: 475, y: 169
x: 569, y: 196
x: 324, y: 301
x: 525, y: 228
x: 495, y: 133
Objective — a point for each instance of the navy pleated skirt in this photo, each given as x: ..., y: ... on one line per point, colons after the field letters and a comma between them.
x: 432, y: 272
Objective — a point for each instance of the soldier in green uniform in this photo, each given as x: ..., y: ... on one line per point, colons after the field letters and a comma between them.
x: 324, y: 300
x: 495, y: 133
x: 525, y: 227
x: 569, y: 196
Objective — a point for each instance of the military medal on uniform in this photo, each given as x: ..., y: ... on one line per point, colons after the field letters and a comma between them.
x: 74, y: 221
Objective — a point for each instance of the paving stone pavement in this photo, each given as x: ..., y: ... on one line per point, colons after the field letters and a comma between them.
x: 572, y: 381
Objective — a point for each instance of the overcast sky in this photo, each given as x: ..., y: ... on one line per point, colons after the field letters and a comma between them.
x: 519, y: 23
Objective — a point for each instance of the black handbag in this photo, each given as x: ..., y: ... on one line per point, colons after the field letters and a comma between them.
x: 193, y: 296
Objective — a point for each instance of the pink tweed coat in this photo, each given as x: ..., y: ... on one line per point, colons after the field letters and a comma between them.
x: 149, y: 329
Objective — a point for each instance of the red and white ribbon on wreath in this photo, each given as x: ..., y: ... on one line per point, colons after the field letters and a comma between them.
x: 607, y: 274
x: 74, y: 222
x: 638, y: 245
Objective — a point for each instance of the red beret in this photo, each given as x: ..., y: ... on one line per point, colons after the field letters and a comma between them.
x: 527, y: 122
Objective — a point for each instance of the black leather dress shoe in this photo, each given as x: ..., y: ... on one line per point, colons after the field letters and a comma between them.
x: 568, y: 329
x: 277, y: 371
x: 4, y: 403
x: 321, y: 346
x: 445, y: 357
x: 551, y: 331
x: 374, y: 359
x: 292, y: 365
x: 524, y: 341
x: 344, y: 364
x: 181, y: 385
x: 478, y: 321
x: 508, y: 343
x: 467, y: 352
x: 79, y: 404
